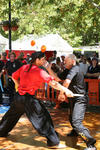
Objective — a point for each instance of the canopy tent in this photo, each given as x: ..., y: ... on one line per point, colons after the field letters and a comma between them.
x: 3, y: 43
x: 53, y: 42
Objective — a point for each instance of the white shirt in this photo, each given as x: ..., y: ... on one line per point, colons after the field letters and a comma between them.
x: 83, y: 68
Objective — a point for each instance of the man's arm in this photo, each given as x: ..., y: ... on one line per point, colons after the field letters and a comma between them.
x: 50, y: 71
x: 61, y: 95
x: 61, y: 88
x: 66, y: 84
x: 93, y: 74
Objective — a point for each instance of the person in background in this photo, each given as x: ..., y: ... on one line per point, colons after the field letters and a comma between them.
x: 21, y: 58
x: 94, y: 54
x: 4, y: 75
x: 93, y: 71
x: 1, y: 80
x: 27, y: 58
x: 56, y: 67
x: 89, y: 61
x: 3, y: 57
x: 28, y: 79
x: 62, y: 63
x: 81, y: 58
x: 11, y: 66
x: 83, y: 66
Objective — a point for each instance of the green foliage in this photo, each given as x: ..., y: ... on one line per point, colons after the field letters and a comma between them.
x: 77, y: 21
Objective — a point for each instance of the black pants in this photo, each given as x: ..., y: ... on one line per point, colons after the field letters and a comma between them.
x: 36, y: 113
x: 77, y: 111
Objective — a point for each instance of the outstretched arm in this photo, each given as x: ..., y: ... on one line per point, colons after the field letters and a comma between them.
x: 61, y: 95
x: 61, y: 88
x: 50, y: 71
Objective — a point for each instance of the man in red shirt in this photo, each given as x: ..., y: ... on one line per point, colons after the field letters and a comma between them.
x: 28, y: 79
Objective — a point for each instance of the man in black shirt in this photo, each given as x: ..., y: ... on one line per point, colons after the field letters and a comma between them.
x: 93, y: 70
x: 11, y: 66
x: 75, y: 82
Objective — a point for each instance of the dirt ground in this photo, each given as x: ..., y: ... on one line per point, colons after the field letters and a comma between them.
x: 24, y: 137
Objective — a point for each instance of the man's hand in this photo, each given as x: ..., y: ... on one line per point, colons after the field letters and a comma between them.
x: 69, y: 93
x: 46, y: 64
x: 61, y: 97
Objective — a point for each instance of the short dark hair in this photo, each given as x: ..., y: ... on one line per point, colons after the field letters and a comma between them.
x: 11, y: 53
x: 95, y: 58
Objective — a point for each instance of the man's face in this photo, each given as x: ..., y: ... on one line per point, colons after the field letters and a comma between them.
x: 94, y: 62
x: 63, y: 58
x: 42, y: 61
x: 12, y: 58
x: 3, y: 57
x: 68, y: 62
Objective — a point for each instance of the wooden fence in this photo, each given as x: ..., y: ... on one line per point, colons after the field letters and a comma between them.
x: 93, y: 89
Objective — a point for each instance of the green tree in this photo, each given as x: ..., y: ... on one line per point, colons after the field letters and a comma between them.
x: 77, y: 21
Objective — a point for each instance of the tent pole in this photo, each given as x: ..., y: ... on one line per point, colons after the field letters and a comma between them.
x: 10, y: 49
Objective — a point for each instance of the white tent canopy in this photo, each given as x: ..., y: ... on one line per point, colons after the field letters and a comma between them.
x: 3, y: 43
x: 51, y: 41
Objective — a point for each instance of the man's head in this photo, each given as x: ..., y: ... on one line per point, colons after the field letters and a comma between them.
x: 4, y: 54
x: 70, y: 61
x: 84, y: 60
x: 63, y: 57
x: 38, y: 58
x: 28, y: 54
x: 12, y: 56
x: 94, y: 61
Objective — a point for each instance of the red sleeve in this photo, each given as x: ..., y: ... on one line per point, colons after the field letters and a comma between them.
x: 45, y: 76
x: 16, y: 74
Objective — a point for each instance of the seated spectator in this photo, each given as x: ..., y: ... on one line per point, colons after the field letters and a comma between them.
x: 94, y: 69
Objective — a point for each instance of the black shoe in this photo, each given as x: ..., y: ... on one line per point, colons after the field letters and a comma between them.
x: 90, y: 142
x: 72, y: 133
x: 91, y: 147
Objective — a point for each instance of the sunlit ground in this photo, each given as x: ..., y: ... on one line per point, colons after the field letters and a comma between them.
x: 24, y: 137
